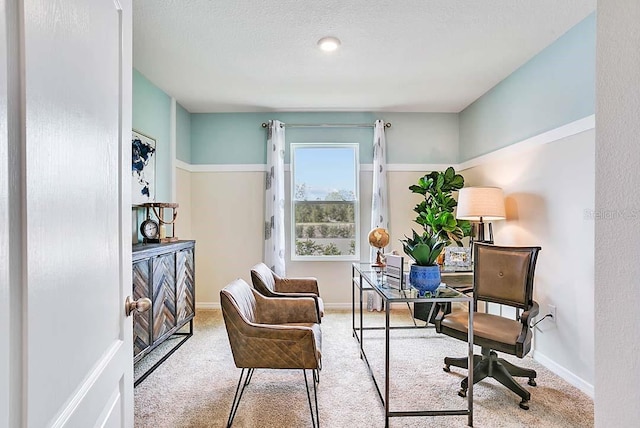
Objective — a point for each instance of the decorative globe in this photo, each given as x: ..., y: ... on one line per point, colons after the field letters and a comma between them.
x: 379, y: 237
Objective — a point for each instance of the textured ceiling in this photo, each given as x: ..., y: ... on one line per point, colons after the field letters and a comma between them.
x: 396, y: 55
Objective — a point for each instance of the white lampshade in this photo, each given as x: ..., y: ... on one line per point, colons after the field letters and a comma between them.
x: 477, y: 202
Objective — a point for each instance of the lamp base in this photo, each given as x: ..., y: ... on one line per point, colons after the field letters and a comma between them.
x: 481, y: 236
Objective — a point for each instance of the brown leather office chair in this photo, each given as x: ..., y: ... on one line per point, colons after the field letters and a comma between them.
x: 502, y: 275
x: 271, y: 285
x: 271, y: 333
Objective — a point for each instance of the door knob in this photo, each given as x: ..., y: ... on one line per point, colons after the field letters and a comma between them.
x: 140, y: 305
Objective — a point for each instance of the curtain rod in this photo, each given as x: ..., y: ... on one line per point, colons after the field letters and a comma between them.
x: 327, y: 125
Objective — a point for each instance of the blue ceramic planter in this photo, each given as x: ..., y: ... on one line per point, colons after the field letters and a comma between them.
x: 424, y: 278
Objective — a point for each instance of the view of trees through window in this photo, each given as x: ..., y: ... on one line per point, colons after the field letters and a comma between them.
x: 324, y: 200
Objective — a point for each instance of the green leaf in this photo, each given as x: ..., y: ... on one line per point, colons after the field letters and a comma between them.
x: 407, y: 248
x: 449, y: 174
x: 422, y: 254
x: 450, y: 220
x: 457, y: 182
x: 430, y: 217
x: 418, y: 189
x: 465, y: 225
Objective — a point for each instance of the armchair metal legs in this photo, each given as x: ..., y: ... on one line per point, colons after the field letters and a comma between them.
x: 244, y: 380
x: 315, y: 419
x: 489, y: 365
x: 237, y: 397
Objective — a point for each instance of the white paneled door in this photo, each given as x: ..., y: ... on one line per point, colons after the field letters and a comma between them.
x: 66, y: 210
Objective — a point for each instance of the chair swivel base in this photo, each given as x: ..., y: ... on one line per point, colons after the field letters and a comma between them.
x: 489, y: 365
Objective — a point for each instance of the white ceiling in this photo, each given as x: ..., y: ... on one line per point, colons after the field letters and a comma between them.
x: 396, y: 55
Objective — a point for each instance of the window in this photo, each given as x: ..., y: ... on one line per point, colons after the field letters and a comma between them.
x: 324, y: 194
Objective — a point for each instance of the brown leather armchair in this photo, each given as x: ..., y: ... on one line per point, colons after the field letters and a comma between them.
x: 271, y: 285
x: 502, y: 275
x: 271, y: 333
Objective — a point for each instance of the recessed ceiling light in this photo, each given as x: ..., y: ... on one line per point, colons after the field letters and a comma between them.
x: 329, y: 44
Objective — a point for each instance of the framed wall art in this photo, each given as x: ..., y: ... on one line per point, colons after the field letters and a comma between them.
x: 457, y: 256
x: 143, y: 168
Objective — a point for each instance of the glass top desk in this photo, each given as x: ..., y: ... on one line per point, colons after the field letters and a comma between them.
x: 365, y: 278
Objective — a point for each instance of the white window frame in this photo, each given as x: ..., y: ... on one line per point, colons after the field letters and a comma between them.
x: 344, y: 257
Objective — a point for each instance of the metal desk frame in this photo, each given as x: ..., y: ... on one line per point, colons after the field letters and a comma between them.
x: 362, y: 273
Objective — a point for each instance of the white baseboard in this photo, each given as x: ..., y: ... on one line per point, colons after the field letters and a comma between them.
x: 208, y: 305
x: 565, y: 374
x: 337, y: 306
x: 216, y: 305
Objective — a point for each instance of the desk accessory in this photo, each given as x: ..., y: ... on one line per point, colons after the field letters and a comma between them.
x: 457, y: 256
x: 150, y: 230
x: 395, y: 272
x: 154, y: 229
x: 379, y: 238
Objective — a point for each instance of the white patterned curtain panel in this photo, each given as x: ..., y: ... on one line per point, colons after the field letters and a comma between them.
x: 379, y: 199
x: 274, y: 245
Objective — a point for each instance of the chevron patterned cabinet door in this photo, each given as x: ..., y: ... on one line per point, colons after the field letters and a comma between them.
x: 185, y: 296
x: 164, y: 294
x: 141, y: 320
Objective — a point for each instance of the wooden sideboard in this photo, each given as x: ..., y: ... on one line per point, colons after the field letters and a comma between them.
x: 165, y: 273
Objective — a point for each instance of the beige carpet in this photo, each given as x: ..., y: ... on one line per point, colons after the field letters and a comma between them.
x: 195, y: 386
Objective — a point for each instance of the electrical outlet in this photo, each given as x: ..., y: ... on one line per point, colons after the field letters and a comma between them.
x: 552, y: 312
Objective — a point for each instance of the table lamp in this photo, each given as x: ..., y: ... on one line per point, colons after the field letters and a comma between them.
x: 479, y: 204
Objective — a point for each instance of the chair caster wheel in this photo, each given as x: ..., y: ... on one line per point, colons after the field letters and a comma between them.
x: 463, y: 393
x: 446, y: 368
x: 524, y: 404
x: 532, y: 382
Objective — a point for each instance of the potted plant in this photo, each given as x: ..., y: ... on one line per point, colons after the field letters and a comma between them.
x: 424, y: 250
x: 440, y: 227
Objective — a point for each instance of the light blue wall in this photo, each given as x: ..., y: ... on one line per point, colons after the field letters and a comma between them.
x: 554, y: 88
x: 238, y: 138
x: 151, y: 116
x: 183, y: 134
x: 419, y: 138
